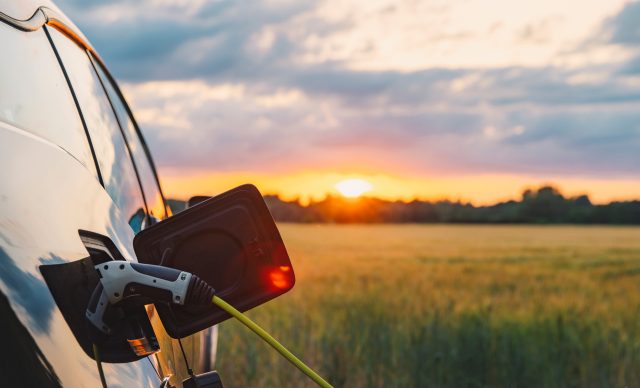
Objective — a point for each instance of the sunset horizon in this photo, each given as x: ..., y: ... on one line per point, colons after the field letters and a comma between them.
x: 479, y: 190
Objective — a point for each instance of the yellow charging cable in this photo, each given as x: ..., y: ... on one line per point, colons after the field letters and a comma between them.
x: 253, y: 327
x: 271, y: 341
x: 96, y: 356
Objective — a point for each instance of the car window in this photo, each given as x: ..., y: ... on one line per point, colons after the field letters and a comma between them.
x: 113, y: 157
x: 152, y: 194
x: 35, y: 96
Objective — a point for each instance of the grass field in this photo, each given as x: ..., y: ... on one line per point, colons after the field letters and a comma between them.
x: 450, y: 306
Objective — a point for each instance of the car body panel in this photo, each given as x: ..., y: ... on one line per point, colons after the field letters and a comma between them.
x: 24, y: 10
x: 46, y: 197
x: 41, y: 211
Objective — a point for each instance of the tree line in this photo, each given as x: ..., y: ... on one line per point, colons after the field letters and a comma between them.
x: 545, y: 205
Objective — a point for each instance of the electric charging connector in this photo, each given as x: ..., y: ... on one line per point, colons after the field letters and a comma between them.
x: 147, y: 283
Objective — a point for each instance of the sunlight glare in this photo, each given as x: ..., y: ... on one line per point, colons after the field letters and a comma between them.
x: 352, y: 188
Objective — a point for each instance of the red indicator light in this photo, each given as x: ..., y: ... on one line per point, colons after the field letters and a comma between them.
x: 278, y: 278
x: 285, y: 268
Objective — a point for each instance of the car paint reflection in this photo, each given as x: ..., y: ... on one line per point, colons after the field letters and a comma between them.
x: 41, y: 211
x: 20, y: 351
x: 28, y: 291
x: 116, y: 167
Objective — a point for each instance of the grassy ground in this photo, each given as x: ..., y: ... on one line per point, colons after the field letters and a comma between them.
x: 450, y: 306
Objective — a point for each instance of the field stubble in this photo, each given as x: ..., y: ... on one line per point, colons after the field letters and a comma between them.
x: 450, y: 306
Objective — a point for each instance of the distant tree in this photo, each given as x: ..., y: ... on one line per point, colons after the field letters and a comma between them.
x: 543, y: 205
x: 546, y: 205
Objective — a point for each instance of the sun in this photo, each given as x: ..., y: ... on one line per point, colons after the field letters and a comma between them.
x: 353, y: 188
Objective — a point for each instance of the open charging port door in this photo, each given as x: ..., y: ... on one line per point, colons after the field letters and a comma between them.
x: 231, y: 242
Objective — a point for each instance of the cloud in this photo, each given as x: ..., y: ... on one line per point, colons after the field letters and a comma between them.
x: 177, y: 40
x: 623, y: 28
x: 278, y: 86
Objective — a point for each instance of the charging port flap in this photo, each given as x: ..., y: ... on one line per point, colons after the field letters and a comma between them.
x: 232, y: 243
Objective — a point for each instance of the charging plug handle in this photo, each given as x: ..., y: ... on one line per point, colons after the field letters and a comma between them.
x: 122, y: 279
x: 150, y: 283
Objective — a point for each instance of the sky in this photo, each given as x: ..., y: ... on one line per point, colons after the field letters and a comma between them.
x: 470, y: 100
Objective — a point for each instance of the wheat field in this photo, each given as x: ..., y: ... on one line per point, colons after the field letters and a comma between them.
x: 450, y: 306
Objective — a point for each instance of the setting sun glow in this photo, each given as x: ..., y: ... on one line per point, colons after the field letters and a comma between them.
x: 353, y: 188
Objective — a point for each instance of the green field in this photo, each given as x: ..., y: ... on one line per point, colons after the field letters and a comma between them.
x: 450, y: 306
